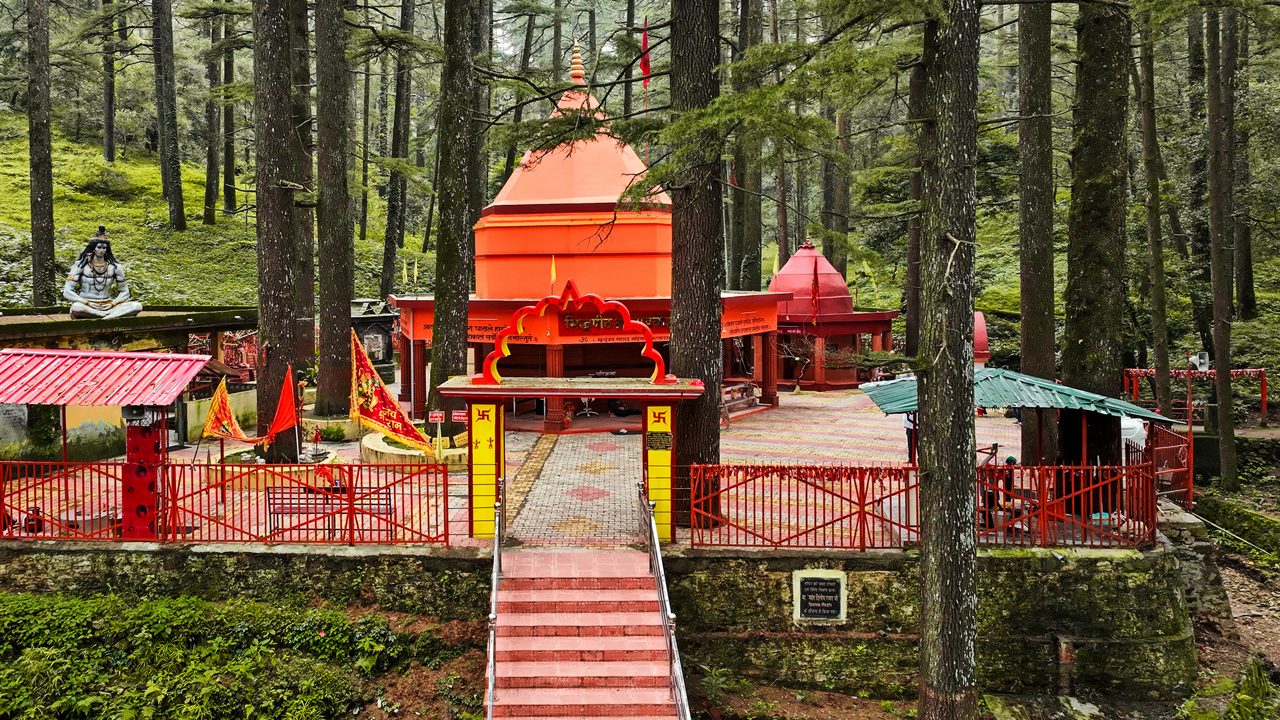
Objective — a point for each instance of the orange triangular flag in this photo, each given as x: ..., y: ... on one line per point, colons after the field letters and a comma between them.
x: 286, y: 408
x: 222, y: 421
x: 372, y: 404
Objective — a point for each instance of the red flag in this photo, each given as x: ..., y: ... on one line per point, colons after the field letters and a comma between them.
x: 221, y: 422
x: 286, y: 408
x: 813, y: 300
x: 644, y: 53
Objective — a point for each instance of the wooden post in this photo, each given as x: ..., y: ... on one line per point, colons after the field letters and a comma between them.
x: 769, y: 392
x: 820, y: 362
x: 553, y: 420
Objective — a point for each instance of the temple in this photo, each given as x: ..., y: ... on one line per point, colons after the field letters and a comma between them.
x: 561, y: 216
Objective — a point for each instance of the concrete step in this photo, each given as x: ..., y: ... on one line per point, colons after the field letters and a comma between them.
x: 577, y: 601
x: 637, y: 582
x: 582, y: 649
x: 587, y: 564
x: 644, y: 673
x: 545, y: 624
x: 579, y: 702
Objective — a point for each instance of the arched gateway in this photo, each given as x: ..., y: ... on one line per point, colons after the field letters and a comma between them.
x: 554, y: 317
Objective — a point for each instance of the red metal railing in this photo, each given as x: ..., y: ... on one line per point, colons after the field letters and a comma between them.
x: 878, y: 507
x: 327, y: 503
x: 804, y: 506
x: 75, y: 501
x: 1171, y: 454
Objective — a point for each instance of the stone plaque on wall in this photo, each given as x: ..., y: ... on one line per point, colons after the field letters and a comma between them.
x: 818, y: 596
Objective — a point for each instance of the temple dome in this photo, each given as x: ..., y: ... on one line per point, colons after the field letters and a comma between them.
x: 806, y: 268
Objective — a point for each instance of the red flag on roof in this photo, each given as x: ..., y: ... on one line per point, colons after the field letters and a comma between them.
x: 644, y: 53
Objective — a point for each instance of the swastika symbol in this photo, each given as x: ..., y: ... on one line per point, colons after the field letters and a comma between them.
x: 659, y: 417
x: 482, y: 414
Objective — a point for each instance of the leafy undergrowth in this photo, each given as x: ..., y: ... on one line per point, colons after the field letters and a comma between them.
x: 205, y: 265
x: 184, y: 658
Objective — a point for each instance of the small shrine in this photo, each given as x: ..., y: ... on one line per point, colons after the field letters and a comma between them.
x: 820, y: 331
x: 561, y: 216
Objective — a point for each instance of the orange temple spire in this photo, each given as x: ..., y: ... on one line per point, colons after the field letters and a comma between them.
x: 577, y: 71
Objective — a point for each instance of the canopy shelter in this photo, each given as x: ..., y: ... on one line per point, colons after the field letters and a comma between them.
x: 997, y: 388
x: 145, y: 383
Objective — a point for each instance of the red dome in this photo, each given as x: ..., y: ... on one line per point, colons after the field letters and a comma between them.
x: 806, y: 268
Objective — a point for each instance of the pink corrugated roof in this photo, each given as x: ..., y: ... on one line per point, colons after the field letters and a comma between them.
x: 89, y: 377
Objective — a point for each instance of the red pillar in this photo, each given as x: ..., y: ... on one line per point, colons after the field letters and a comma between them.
x: 769, y: 391
x: 554, y: 419
x: 419, y: 391
x: 406, y: 375
x: 820, y: 362
x: 887, y: 343
x: 757, y: 359
x: 140, y: 490
x: 877, y: 342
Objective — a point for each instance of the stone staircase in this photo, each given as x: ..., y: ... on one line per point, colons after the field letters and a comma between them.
x: 579, y: 635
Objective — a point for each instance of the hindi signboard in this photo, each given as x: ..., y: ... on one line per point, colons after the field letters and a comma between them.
x: 435, y: 416
x: 818, y: 596
x: 459, y: 416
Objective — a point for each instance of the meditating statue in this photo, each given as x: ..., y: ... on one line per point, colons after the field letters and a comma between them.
x: 89, y: 284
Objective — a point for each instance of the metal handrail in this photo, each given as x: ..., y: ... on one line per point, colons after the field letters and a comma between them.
x: 649, y: 531
x: 498, y: 531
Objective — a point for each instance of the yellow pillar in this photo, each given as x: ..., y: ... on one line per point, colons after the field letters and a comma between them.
x: 658, y: 423
x: 487, y: 465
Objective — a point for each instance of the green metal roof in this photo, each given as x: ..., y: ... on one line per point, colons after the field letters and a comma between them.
x: 996, y: 388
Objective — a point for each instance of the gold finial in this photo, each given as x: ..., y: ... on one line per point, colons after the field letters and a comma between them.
x: 577, y: 71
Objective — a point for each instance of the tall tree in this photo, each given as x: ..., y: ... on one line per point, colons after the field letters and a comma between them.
x: 835, y: 198
x: 167, y: 110
x: 780, y: 174
x: 397, y: 184
x: 1198, y: 280
x: 40, y: 146
x: 454, y: 261
x: 482, y: 56
x: 1246, y: 296
x: 915, y: 114
x: 1093, y: 335
x: 948, y: 482
x: 557, y: 42
x: 333, y: 207
x: 277, y: 254
x: 746, y: 197
x: 696, y: 350
x: 526, y: 54
x: 627, y: 71
x: 364, y: 142
x: 213, y: 74
x: 228, y: 118
x: 1219, y: 142
x: 108, y: 82
x: 1035, y: 218
x: 1155, y: 241
x: 300, y: 143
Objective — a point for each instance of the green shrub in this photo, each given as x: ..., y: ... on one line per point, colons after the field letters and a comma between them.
x: 332, y: 433
x: 98, y: 177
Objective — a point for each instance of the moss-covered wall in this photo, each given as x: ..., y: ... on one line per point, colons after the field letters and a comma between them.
x: 1117, y: 617
x: 450, y: 584
x: 1259, y: 529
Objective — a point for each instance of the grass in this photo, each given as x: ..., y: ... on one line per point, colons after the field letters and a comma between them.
x: 205, y: 265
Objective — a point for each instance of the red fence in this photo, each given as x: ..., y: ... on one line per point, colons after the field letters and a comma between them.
x: 328, y: 503
x: 1173, y: 459
x: 878, y: 507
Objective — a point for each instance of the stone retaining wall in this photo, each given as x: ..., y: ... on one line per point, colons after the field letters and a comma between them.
x: 1111, y: 622
x: 1188, y: 540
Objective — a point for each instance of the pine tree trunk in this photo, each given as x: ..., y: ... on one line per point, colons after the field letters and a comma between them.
x: 167, y: 107
x: 1227, y: 69
x: 696, y: 350
x: 1246, y: 296
x: 915, y: 113
x: 948, y: 483
x: 750, y: 232
x: 481, y: 53
x: 212, y: 148
x: 384, y: 114
x: 780, y: 175
x: 840, y: 200
x: 277, y: 256
x: 109, y: 86
x: 526, y: 54
x: 364, y: 145
x: 397, y: 185
x: 1035, y: 212
x: 1198, y: 281
x: 557, y: 43
x: 333, y: 208
x: 228, y: 122
x: 40, y: 146
x: 628, y: 71
x: 1155, y: 242
x: 1219, y: 181
x: 1093, y: 333
x: 304, y: 175
x: 454, y: 261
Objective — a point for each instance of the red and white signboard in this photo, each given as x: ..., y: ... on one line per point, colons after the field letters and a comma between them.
x: 459, y: 416
x: 435, y: 416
